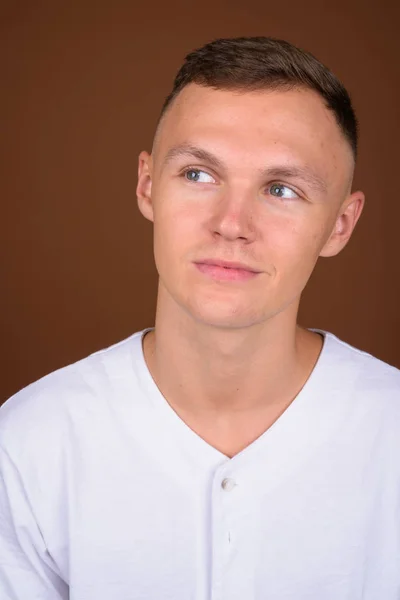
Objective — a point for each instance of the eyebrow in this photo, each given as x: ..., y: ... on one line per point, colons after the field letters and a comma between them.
x: 297, y: 172
x: 192, y: 152
x: 275, y: 172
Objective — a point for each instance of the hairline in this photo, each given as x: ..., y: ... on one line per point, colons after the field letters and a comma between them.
x: 278, y: 86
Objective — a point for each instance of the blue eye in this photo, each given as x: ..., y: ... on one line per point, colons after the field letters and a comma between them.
x: 282, y: 191
x: 198, y: 176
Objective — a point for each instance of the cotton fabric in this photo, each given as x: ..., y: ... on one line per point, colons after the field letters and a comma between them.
x: 106, y: 494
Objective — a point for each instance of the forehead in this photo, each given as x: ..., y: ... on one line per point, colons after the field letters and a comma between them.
x: 250, y: 126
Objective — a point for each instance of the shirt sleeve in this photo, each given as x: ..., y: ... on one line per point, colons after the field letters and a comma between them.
x: 27, y: 571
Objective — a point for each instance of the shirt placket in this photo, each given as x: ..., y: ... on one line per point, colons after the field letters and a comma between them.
x: 224, y: 500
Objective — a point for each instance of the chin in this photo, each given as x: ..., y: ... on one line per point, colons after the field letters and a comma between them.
x: 223, y: 316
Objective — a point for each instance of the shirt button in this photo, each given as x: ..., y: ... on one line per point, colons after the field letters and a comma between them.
x: 228, y: 484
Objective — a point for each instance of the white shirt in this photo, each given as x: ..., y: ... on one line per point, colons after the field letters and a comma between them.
x: 106, y: 494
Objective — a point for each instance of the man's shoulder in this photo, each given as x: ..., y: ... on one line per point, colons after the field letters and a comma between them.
x: 43, y: 410
x: 366, y: 374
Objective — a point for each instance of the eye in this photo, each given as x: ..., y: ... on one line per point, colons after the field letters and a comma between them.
x: 282, y: 191
x: 198, y: 176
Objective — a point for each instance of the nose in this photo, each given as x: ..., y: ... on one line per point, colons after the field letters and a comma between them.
x: 233, y: 217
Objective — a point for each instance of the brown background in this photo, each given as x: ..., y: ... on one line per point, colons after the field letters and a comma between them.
x: 82, y: 84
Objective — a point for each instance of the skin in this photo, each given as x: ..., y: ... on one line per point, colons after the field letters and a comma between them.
x: 229, y: 356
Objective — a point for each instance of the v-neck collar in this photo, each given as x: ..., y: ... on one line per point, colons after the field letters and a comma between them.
x: 296, y: 420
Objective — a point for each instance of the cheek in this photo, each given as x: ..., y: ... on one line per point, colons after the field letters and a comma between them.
x: 293, y: 245
x: 178, y: 220
x: 176, y: 230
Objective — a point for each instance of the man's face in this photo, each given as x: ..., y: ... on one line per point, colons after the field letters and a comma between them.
x: 261, y: 179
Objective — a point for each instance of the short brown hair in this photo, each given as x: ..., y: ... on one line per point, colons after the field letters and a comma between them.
x: 254, y: 63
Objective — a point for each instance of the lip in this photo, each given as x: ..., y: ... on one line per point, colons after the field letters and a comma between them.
x: 226, y: 264
x: 223, y: 270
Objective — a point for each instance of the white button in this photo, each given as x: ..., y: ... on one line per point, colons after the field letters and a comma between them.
x: 228, y: 484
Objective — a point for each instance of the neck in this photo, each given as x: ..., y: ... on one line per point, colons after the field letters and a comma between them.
x: 204, y: 369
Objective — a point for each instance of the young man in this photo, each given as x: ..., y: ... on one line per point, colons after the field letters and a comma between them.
x: 226, y: 454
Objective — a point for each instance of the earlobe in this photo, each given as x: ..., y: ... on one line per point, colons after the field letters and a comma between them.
x: 143, y: 189
x: 345, y: 223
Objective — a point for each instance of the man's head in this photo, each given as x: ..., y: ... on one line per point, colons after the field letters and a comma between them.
x: 252, y: 163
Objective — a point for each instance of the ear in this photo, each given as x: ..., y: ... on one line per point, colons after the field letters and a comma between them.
x: 143, y: 189
x: 349, y: 213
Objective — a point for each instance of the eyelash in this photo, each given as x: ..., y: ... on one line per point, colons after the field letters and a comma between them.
x: 277, y: 183
x: 198, y: 169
